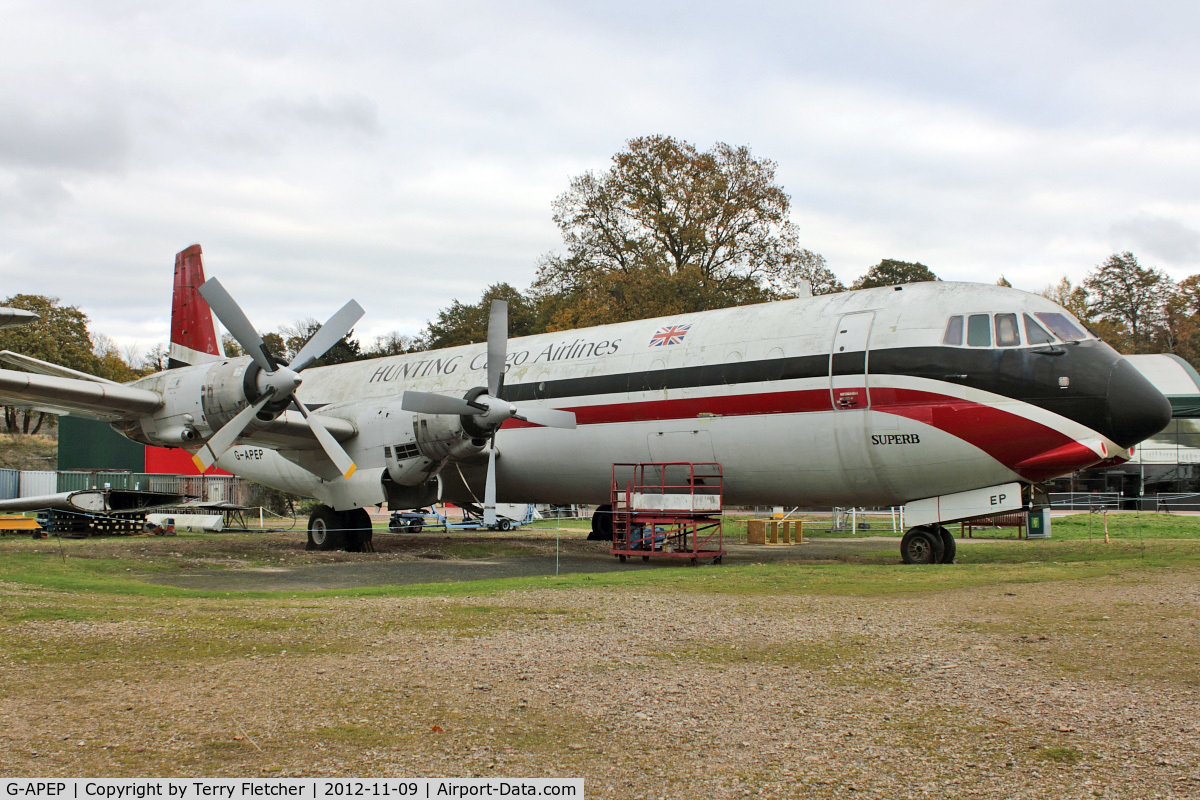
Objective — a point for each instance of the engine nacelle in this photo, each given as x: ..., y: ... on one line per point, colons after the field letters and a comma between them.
x: 197, y: 402
x: 421, y: 445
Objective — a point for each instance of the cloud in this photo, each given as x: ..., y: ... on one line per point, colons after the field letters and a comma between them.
x: 62, y: 133
x: 343, y: 112
x: 408, y: 154
x: 1160, y: 237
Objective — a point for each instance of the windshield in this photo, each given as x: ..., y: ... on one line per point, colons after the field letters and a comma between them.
x: 1060, y: 326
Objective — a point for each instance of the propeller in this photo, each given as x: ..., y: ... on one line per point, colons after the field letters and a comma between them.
x: 484, y: 409
x: 275, y: 381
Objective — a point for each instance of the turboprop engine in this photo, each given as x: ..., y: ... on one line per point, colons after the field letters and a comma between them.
x: 211, y: 405
x: 471, y: 422
x: 418, y: 446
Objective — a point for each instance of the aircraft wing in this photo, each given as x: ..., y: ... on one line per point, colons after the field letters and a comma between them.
x: 31, y: 364
x: 289, y: 431
x: 62, y: 395
x: 94, y: 501
x: 16, y: 316
x: 109, y: 401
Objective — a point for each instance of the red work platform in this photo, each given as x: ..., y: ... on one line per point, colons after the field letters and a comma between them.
x: 669, y: 509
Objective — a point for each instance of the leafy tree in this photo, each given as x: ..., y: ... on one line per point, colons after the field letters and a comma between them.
x: 890, y: 272
x: 1179, y: 330
x: 293, y: 337
x: 234, y: 350
x: 156, y: 358
x: 110, y: 363
x: 60, y: 337
x: 275, y: 343
x: 1072, y: 298
x: 811, y: 268
x: 667, y: 222
x: 393, y: 343
x: 1125, y: 293
x: 464, y: 324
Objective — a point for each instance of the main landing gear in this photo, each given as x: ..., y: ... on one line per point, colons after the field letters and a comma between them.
x: 602, y: 524
x: 928, y: 544
x: 339, y: 530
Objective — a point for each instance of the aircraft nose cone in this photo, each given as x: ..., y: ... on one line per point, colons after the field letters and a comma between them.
x: 1136, y: 410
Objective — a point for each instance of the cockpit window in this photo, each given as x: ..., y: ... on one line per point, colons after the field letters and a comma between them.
x: 1034, y: 333
x: 1060, y: 326
x: 953, y: 331
x: 1007, y: 334
x: 979, y: 331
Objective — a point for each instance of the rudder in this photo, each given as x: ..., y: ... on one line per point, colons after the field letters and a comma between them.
x: 193, y: 335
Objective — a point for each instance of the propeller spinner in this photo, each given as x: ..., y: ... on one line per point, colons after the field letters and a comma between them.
x: 484, y: 407
x: 275, y: 381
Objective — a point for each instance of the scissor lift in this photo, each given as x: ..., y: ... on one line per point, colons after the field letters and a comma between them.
x: 669, y: 509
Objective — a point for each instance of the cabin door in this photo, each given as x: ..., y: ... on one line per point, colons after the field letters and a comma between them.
x: 848, y: 362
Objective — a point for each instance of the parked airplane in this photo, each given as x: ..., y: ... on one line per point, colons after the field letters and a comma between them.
x: 11, y: 317
x: 947, y: 398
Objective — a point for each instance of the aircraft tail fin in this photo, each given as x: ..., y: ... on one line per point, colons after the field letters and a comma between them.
x: 193, y: 335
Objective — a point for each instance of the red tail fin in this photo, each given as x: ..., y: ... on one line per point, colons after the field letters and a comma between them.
x: 193, y: 336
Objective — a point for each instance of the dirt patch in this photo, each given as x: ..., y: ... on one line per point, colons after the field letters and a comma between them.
x: 403, y: 560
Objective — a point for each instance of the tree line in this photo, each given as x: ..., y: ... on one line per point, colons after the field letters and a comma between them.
x: 667, y: 229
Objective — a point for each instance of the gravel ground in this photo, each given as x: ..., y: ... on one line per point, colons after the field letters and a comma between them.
x: 1054, y: 690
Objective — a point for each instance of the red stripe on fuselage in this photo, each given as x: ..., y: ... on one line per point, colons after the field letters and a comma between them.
x: 1009, y: 438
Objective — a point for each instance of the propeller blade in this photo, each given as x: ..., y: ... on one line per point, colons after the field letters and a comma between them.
x: 489, y: 490
x: 223, y: 439
x: 550, y: 417
x: 497, y: 346
x: 236, y: 322
x: 429, y: 403
x: 340, y: 458
x: 328, y: 335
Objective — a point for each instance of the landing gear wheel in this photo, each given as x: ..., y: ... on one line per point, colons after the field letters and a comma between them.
x: 601, y: 524
x: 922, y: 546
x: 505, y: 525
x: 949, y: 546
x: 325, y: 530
x: 357, y: 523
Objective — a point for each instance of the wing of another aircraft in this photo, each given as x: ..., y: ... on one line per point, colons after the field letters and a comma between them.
x: 94, y: 501
x: 16, y: 316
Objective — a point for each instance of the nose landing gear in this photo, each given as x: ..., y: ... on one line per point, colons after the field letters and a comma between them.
x: 928, y: 544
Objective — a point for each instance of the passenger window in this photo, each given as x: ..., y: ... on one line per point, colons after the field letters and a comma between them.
x: 1034, y: 333
x: 1060, y: 326
x: 953, y: 331
x: 1007, y: 334
x: 979, y: 330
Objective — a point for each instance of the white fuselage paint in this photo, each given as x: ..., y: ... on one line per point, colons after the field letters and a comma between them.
x: 811, y: 457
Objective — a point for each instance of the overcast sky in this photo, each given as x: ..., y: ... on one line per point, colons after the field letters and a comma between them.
x: 406, y: 154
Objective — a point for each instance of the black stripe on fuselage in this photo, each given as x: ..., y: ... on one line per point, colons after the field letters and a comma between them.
x: 1029, y: 375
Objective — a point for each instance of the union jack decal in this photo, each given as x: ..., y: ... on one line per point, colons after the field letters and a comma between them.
x: 669, y: 334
